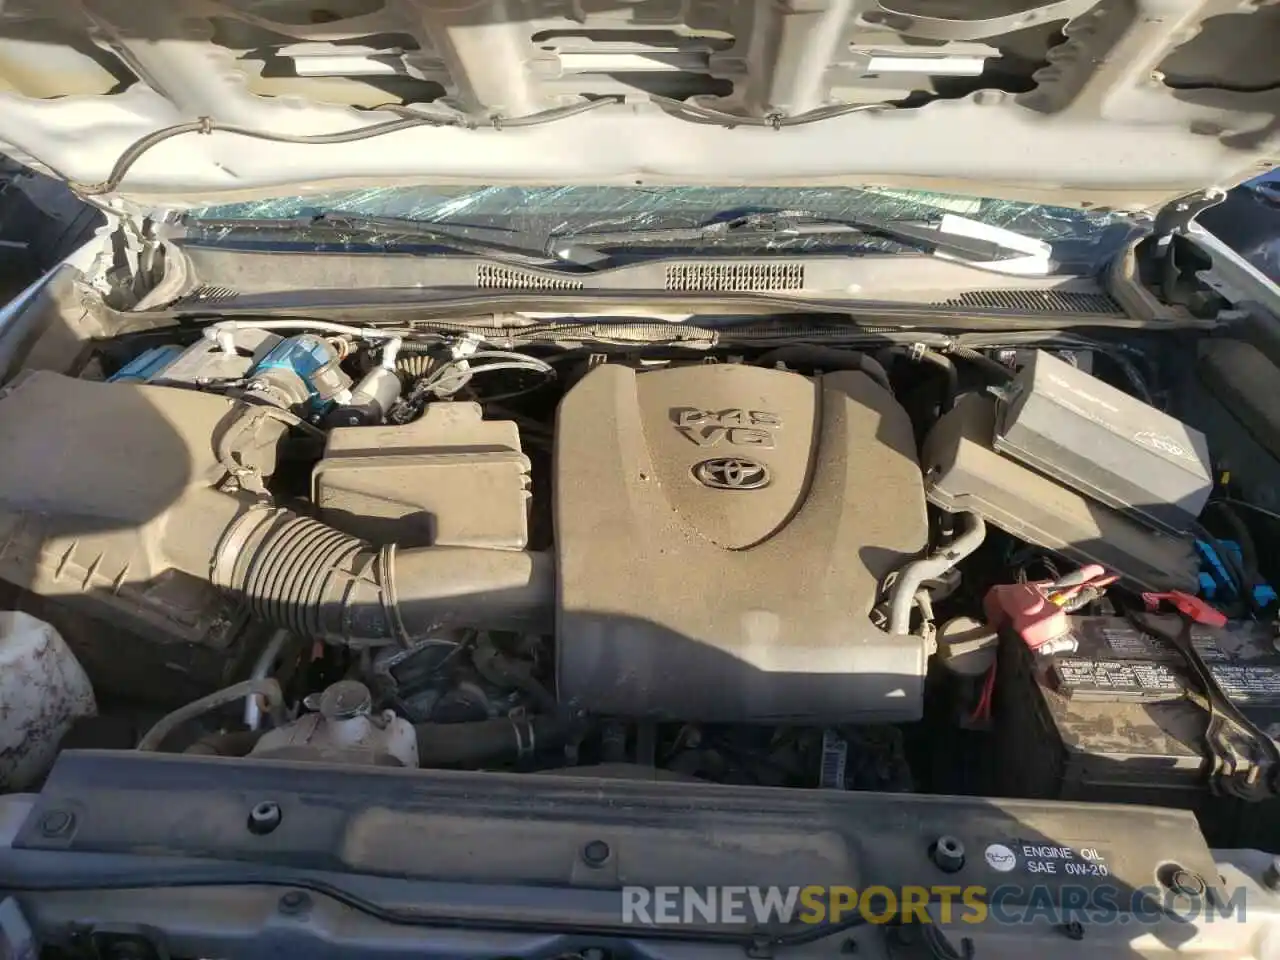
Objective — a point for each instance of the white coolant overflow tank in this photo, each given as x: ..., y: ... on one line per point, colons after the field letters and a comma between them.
x: 43, y: 690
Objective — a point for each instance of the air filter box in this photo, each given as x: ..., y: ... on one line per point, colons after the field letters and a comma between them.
x: 449, y: 479
x: 1104, y: 443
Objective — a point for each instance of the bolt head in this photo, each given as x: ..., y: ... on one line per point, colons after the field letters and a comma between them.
x: 595, y: 853
x: 295, y: 902
x: 948, y: 854
x: 1187, y: 884
x: 57, y: 823
x: 265, y: 817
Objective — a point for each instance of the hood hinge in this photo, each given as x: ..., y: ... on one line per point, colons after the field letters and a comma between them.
x: 139, y: 259
x: 1175, y: 217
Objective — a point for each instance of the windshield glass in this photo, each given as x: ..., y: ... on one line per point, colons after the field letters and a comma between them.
x: 529, y: 215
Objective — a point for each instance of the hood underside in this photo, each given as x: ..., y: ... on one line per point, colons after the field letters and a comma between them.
x: 1118, y: 103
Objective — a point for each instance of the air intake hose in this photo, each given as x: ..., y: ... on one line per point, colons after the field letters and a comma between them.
x: 151, y: 508
x: 317, y: 582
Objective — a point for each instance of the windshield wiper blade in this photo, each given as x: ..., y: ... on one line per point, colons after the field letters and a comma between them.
x: 378, y: 230
x: 951, y: 237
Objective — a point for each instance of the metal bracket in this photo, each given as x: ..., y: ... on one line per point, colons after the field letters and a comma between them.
x: 1175, y: 219
x: 941, y: 28
x: 1230, y: 275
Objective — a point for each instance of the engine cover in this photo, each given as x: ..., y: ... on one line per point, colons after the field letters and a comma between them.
x: 721, y: 532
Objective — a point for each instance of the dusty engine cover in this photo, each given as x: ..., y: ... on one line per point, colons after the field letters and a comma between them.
x: 721, y: 531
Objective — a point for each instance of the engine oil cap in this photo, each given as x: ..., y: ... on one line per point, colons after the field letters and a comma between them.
x: 346, y: 699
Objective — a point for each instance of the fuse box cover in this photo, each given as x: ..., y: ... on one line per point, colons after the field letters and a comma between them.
x: 1105, y: 444
x: 963, y: 472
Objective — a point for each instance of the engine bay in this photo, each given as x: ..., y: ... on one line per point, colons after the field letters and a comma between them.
x: 897, y: 567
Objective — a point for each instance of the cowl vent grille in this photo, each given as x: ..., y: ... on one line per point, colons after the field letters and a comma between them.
x: 1036, y: 301
x: 735, y: 276
x: 490, y: 277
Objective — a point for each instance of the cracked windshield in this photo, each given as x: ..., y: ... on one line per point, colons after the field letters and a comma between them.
x: 531, y: 216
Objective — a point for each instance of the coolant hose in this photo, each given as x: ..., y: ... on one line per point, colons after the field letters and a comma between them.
x: 993, y: 368
x: 922, y: 354
x: 267, y: 688
x: 916, y: 573
x: 949, y: 372
x: 813, y: 356
x: 262, y: 667
x: 486, y: 741
x: 237, y: 743
x: 317, y: 582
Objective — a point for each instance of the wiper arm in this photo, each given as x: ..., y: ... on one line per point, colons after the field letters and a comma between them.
x: 952, y: 238
x: 374, y: 228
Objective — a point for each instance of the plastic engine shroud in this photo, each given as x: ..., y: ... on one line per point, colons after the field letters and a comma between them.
x: 722, y: 532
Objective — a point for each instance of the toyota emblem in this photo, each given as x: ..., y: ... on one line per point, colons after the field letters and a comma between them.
x: 731, y: 473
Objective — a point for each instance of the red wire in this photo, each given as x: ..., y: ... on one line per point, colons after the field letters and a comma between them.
x: 983, y: 709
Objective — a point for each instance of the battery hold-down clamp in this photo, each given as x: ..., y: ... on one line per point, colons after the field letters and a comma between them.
x: 1245, y: 759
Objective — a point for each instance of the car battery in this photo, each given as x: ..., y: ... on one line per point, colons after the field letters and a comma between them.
x: 1112, y: 721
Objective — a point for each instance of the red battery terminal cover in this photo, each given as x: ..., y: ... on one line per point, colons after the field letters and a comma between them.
x: 1037, y: 612
x: 1193, y: 608
x: 1025, y: 609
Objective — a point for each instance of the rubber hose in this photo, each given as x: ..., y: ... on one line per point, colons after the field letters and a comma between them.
x: 920, y: 354
x: 811, y: 356
x: 486, y: 741
x: 993, y: 368
x: 235, y: 744
x: 322, y: 584
x: 914, y: 574
x: 504, y: 671
x: 1240, y: 533
x: 949, y: 372
x: 266, y: 688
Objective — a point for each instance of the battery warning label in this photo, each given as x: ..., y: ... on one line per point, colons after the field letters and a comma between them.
x: 1130, y: 643
x: 1062, y: 860
x: 1254, y: 684
x: 1077, y: 675
x: 1145, y: 680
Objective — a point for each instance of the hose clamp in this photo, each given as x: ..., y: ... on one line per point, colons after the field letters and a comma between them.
x: 386, y: 576
x: 234, y: 540
x: 526, y: 739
